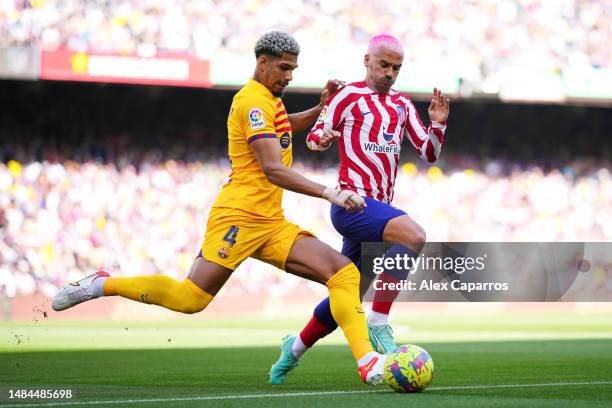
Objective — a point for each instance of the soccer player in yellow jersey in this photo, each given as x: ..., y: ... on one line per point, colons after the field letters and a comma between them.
x: 247, y: 218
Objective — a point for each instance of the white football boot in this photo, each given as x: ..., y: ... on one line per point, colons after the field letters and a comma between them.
x: 77, y: 292
x: 372, y: 372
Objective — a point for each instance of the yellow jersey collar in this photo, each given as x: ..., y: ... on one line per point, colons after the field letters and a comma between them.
x: 252, y: 82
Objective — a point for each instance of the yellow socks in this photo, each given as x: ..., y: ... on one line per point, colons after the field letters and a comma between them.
x: 160, y: 290
x: 186, y: 297
x: 346, y: 308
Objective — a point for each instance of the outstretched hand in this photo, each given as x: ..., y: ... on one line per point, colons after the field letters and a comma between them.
x: 439, y: 106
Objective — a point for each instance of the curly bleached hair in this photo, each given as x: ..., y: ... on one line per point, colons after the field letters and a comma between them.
x: 276, y: 43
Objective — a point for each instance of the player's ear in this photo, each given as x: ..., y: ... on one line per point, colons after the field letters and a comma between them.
x: 366, y: 60
x: 262, y: 62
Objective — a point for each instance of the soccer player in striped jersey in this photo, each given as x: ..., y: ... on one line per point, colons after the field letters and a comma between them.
x: 247, y: 218
x: 369, y: 120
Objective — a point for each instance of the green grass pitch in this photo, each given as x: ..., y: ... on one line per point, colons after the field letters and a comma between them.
x: 159, y: 365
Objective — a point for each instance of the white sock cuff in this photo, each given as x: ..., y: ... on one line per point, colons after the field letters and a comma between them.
x: 377, y: 319
x: 298, y: 347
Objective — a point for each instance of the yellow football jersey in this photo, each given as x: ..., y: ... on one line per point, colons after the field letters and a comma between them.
x: 255, y: 114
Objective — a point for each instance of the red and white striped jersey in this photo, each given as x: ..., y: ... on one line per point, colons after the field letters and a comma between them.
x: 372, y: 128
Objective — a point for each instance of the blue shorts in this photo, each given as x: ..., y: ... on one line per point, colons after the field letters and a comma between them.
x: 367, y: 226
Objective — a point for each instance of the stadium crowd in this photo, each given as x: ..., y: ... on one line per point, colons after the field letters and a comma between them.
x: 96, y: 175
x: 60, y: 220
x: 478, y: 38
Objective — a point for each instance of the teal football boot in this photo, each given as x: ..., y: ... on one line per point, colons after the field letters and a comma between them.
x: 382, y: 339
x: 286, y: 362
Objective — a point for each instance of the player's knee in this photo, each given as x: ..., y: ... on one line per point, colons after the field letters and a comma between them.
x: 414, y: 236
x: 329, y: 263
x: 346, y: 273
x: 339, y: 262
x: 420, y: 237
x: 192, y: 299
x: 354, y: 275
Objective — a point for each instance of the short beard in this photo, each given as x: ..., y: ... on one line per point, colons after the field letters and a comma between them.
x: 385, y: 92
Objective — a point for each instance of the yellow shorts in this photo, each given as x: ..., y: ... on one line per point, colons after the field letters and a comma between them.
x: 232, y: 236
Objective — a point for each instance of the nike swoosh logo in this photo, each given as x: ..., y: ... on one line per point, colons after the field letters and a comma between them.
x: 365, y: 113
x: 365, y: 369
x: 370, y: 364
x: 379, y: 345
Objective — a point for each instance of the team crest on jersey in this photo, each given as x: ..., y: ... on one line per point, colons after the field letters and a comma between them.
x: 256, y: 119
x: 400, y: 110
x: 229, y: 240
x: 322, y: 115
x: 224, y: 251
x: 388, y: 136
x: 285, y: 140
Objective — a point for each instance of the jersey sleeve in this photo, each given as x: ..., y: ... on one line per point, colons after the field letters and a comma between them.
x: 427, y: 141
x: 314, y: 136
x: 330, y: 118
x: 257, y: 118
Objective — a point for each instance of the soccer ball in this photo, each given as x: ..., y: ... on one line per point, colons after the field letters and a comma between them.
x: 409, y: 369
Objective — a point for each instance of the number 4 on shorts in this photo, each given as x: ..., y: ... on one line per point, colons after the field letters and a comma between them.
x: 231, y: 234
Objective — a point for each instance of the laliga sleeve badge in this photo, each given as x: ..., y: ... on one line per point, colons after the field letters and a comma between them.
x: 256, y: 119
x: 322, y: 115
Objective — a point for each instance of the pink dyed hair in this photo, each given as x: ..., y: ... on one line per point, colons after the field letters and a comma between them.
x: 386, y: 41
